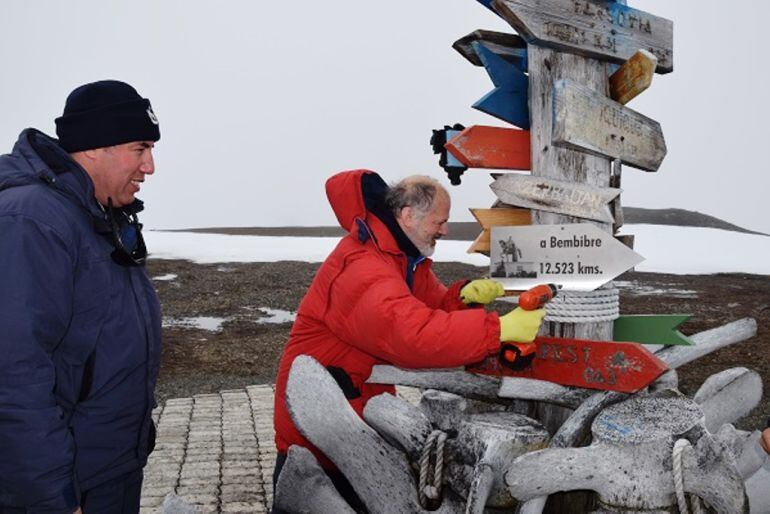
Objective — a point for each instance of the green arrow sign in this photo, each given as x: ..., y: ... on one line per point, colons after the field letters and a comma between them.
x: 651, y: 329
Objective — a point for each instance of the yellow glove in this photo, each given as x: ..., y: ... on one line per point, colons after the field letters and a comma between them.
x: 520, y: 325
x: 481, y: 291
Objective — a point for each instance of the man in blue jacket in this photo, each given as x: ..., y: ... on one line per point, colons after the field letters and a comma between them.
x: 80, y: 324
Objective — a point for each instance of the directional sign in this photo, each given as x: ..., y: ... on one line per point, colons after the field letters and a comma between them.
x: 496, y: 217
x: 509, y: 100
x: 634, y: 77
x: 492, y: 147
x: 603, y: 30
x: 508, y: 46
x: 588, y: 121
x: 571, y: 198
x: 605, y: 365
x: 579, y: 256
x: 651, y: 329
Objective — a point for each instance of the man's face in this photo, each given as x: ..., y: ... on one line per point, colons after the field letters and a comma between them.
x: 425, y: 230
x: 118, y: 171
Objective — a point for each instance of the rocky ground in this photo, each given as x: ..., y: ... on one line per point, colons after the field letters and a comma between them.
x: 243, y: 350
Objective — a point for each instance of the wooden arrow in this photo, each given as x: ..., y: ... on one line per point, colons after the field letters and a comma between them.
x: 651, y: 329
x: 509, y: 100
x: 491, y: 147
x: 633, y: 77
x: 570, y: 198
x: 605, y: 365
x: 588, y: 121
x: 603, y: 30
x: 497, y: 217
x: 507, y: 46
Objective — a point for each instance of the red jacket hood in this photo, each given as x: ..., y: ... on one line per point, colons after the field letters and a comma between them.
x: 358, y: 200
x: 346, y: 197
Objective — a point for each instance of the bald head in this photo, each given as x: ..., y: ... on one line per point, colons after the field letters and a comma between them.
x: 421, y: 207
x: 417, y: 192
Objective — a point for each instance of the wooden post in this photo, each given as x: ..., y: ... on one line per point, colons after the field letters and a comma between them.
x: 545, y: 67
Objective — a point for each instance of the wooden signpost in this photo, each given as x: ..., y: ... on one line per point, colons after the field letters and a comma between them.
x: 579, y: 257
x: 588, y: 121
x: 659, y: 329
x: 580, y: 200
x: 508, y: 46
x: 607, y: 31
x: 558, y: 88
x: 496, y: 217
x: 609, y: 366
x: 491, y: 147
x: 509, y: 100
x: 633, y: 78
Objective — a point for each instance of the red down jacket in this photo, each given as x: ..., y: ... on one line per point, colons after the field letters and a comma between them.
x: 359, y: 311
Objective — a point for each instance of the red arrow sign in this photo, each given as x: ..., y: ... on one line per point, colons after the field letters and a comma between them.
x: 492, y: 147
x: 610, y: 366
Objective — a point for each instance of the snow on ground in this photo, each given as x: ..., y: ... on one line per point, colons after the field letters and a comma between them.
x: 699, y: 251
x: 667, y: 249
x: 214, y: 324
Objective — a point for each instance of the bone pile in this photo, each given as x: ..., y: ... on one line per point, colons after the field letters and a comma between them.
x: 480, y: 447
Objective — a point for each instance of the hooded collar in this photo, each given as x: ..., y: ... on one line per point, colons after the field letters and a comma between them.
x: 374, y: 190
x: 358, y: 200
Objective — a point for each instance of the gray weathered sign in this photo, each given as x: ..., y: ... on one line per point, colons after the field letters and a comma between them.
x: 603, y: 30
x: 589, y: 121
x: 579, y: 257
x: 571, y: 198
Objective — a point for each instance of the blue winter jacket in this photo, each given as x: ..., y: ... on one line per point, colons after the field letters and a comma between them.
x: 80, y: 336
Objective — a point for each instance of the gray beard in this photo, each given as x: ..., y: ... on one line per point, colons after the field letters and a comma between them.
x: 425, y: 250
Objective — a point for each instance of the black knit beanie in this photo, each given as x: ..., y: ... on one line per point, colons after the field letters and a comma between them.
x: 105, y: 113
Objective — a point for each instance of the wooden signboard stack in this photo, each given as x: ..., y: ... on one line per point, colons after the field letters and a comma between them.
x: 563, y: 83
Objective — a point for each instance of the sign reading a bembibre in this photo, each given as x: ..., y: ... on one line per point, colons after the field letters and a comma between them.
x: 579, y: 256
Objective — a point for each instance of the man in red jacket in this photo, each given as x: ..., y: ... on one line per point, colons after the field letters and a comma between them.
x: 375, y: 300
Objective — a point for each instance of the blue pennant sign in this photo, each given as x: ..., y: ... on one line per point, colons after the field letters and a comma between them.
x: 509, y: 100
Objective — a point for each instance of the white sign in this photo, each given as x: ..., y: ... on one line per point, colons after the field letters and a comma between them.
x: 579, y: 256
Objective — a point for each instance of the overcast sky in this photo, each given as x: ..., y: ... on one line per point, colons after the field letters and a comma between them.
x: 259, y: 102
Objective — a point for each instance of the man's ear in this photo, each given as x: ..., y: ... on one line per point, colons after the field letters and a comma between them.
x: 406, y: 216
x: 92, y: 154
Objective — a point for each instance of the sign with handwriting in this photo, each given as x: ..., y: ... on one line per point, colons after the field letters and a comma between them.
x: 605, y: 365
x: 562, y: 197
x: 603, y: 30
x: 588, y: 121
